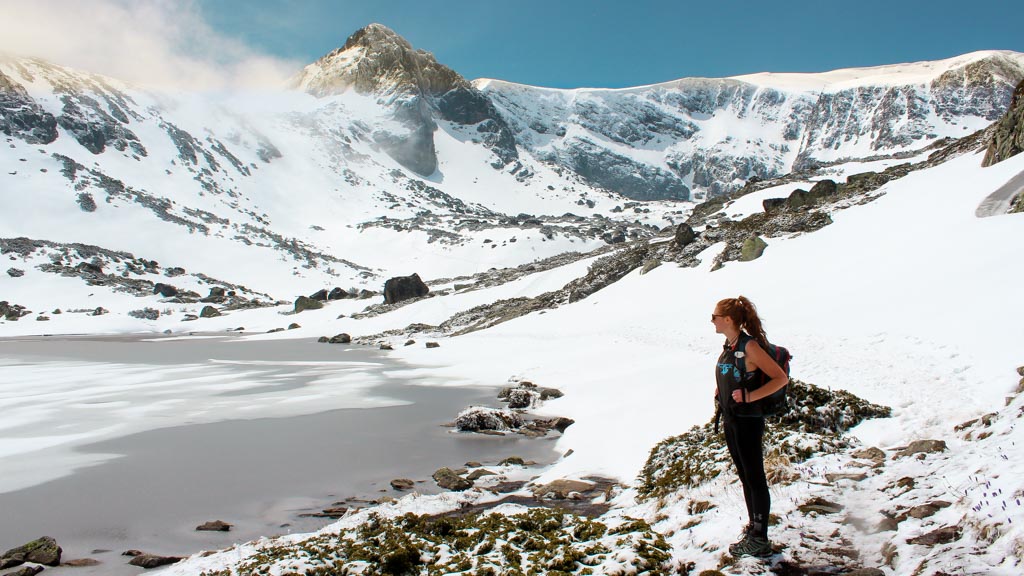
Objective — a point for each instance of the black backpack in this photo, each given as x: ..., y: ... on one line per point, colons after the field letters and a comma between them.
x: 775, y: 404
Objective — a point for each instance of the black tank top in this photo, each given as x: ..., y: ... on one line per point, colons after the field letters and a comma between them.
x: 729, y: 377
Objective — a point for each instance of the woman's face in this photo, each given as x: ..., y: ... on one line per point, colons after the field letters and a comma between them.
x: 721, y: 321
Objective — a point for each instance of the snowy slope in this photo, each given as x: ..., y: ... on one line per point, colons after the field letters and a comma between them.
x: 898, y: 301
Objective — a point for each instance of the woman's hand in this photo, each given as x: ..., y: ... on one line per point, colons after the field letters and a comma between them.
x: 737, y: 396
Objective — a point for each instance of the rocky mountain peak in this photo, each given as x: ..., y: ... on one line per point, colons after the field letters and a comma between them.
x: 377, y: 60
x: 418, y: 90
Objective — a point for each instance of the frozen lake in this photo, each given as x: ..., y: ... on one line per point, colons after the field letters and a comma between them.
x: 127, y: 442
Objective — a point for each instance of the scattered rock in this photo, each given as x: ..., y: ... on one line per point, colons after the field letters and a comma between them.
x: 214, y: 526
x: 699, y: 507
x: 40, y: 551
x: 521, y: 398
x: 99, y: 311
x: 873, y: 454
x: 562, y: 489
x: 209, y: 312
x: 294, y: 326
x: 832, y: 478
x: 821, y: 506
x: 342, y: 338
x: 433, y: 345
x: 153, y: 561
x: 943, y: 535
x: 403, y: 288
x: 216, y: 296
x: 190, y: 317
x: 924, y: 510
x: 15, y: 272
x: 477, y: 474
x: 337, y: 294
x: 922, y: 447
x: 479, y: 418
x: 319, y: 295
x: 304, y: 303
x: 165, y: 290
x: 275, y: 330
x: 752, y: 248
x: 81, y: 563
x: 684, y: 235
x: 402, y: 484
x: 323, y: 340
x: 512, y: 461
x: 507, y: 487
x: 447, y: 478
x: 386, y: 347
x: 410, y: 342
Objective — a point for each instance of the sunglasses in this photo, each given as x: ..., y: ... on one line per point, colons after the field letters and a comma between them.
x: 713, y: 316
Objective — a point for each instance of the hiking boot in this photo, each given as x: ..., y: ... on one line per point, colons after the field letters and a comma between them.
x: 752, y: 545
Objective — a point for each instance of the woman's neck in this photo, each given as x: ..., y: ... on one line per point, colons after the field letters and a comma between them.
x: 732, y: 337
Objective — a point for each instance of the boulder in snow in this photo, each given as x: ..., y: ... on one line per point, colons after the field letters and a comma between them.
x: 402, y: 288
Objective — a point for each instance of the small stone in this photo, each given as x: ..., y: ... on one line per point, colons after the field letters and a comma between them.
x: 562, y: 489
x: 477, y: 474
x: 433, y: 345
x: 342, y: 338
x: 214, y: 526
x: 323, y: 340
x: 832, y: 478
x: 447, y: 478
x: 943, y: 535
x: 865, y: 572
x: 386, y: 347
x: 293, y: 326
x: 303, y: 303
x: 820, y: 506
x: 15, y: 272
x: 26, y: 571
x: 153, y: 561
x: 209, y: 312
x: 922, y: 447
x: 402, y: 484
x: 410, y: 342
x: 473, y: 464
x: 512, y: 461
x: 873, y: 454
x: 81, y: 562
x: 906, y: 482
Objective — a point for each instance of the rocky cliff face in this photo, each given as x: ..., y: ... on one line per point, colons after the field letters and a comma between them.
x: 415, y: 88
x: 1008, y: 137
x: 708, y: 136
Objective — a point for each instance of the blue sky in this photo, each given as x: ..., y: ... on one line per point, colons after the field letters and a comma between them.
x: 598, y: 43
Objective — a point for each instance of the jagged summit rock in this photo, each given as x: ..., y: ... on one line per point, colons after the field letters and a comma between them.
x: 376, y: 60
x: 1008, y: 139
x: 417, y: 89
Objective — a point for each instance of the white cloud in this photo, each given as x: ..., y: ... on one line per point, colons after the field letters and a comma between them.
x: 158, y: 43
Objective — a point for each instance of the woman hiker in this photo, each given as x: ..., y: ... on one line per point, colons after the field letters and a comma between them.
x: 737, y: 320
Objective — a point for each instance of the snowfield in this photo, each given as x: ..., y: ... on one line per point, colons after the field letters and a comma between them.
x: 906, y: 301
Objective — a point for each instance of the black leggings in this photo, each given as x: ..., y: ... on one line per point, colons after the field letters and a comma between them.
x: 744, y: 437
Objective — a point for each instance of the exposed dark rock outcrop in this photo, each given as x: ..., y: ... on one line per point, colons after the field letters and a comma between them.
x: 402, y: 288
x: 40, y: 551
x: 1008, y: 139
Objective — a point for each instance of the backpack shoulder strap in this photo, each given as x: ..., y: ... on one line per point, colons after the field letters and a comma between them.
x: 740, y: 353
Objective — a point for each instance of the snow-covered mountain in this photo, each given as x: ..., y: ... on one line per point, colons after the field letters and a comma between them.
x: 381, y: 161
x: 709, y: 136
